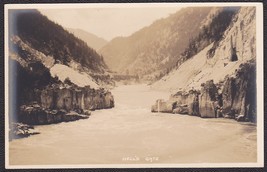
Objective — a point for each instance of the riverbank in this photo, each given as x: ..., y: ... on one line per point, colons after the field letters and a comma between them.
x: 131, y: 134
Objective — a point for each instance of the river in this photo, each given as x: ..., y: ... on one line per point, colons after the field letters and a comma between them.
x: 131, y: 134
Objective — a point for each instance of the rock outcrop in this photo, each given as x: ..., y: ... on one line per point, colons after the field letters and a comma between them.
x: 20, y: 130
x: 73, y: 98
x: 237, y: 100
x: 179, y: 103
x: 193, y: 103
x: 207, y: 100
x: 53, y: 99
x: 57, y: 103
x: 34, y: 114
x: 239, y: 94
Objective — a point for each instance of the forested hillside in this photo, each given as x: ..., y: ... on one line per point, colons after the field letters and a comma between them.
x: 155, y: 50
x: 43, y: 35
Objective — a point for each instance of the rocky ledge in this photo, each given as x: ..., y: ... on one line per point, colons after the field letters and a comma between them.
x: 62, y: 103
x: 74, y: 97
x: 234, y: 98
x: 34, y: 114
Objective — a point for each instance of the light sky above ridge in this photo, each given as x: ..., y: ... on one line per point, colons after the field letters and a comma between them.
x: 109, y: 23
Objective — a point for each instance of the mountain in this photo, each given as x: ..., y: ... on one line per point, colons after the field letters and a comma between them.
x: 219, y: 59
x: 33, y: 37
x: 154, y: 50
x: 92, y: 40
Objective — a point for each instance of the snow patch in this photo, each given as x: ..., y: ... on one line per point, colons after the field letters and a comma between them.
x: 80, y: 79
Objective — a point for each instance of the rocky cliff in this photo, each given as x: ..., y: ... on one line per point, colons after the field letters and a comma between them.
x: 239, y: 93
x: 223, y: 73
x: 234, y: 98
x: 38, y: 98
x: 71, y: 98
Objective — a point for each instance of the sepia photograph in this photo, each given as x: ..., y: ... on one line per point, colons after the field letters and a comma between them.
x: 115, y: 85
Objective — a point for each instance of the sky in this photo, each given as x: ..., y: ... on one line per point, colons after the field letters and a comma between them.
x: 109, y: 23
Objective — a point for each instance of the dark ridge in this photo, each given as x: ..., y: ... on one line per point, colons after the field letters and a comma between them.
x: 51, y: 39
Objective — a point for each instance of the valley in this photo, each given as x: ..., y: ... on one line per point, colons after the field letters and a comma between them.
x: 177, y: 91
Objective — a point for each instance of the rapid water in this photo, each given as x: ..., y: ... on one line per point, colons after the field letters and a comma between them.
x: 131, y: 134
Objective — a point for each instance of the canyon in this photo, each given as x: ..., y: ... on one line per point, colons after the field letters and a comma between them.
x: 177, y: 91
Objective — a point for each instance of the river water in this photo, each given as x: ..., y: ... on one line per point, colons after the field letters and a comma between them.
x: 131, y: 134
